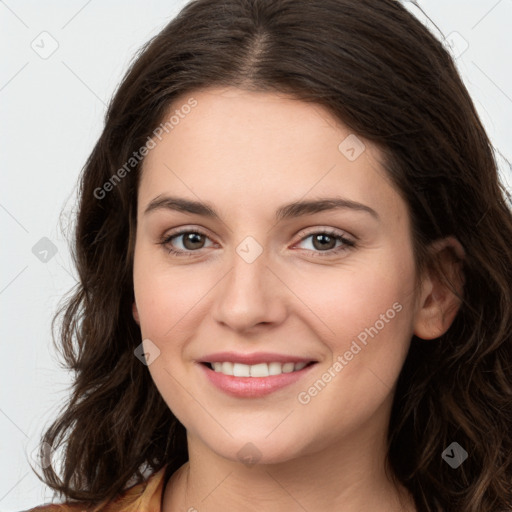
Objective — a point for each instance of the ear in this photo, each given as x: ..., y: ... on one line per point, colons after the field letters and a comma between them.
x: 135, y: 313
x: 438, y: 304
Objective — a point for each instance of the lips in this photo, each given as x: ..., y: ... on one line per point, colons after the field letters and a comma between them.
x: 254, y: 375
x: 256, y: 370
x: 252, y: 387
x: 254, y: 358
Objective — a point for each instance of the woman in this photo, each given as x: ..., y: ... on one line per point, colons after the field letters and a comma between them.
x: 295, y: 275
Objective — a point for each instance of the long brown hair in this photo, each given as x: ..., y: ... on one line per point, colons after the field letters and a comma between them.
x: 385, y: 76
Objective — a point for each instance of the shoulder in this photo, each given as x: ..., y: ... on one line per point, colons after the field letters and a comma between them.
x: 145, y: 496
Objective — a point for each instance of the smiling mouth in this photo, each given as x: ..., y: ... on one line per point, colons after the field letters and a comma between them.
x: 256, y: 370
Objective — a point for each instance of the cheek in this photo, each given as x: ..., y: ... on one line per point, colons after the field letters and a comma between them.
x: 353, y: 297
x: 164, y: 296
x: 166, y: 300
x: 366, y: 325
x: 364, y: 313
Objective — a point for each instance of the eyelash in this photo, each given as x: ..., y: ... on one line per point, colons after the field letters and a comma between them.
x: 347, y: 244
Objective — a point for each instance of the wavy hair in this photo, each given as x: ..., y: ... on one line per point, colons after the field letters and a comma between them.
x: 381, y: 72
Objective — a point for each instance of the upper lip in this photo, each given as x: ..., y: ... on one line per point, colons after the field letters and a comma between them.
x: 254, y: 358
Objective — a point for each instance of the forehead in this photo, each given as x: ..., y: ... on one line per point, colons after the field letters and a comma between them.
x: 251, y: 150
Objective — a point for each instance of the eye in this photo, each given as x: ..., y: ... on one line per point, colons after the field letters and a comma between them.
x: 191, y: 241
x: 324, y: 242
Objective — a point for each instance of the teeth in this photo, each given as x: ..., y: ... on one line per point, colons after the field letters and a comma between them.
x: 256, y: 370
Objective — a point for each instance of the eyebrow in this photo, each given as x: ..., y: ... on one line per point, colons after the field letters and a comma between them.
x: 287, y: 211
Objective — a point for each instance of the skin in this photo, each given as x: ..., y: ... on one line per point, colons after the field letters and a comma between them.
x: 246, y: 154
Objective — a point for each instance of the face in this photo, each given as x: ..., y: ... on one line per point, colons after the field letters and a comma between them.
x: 331, y: 285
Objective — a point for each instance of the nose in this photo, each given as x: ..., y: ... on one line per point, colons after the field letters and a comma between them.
x: 250, y: 295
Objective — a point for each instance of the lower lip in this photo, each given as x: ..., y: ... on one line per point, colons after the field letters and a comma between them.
x: 252, y: 387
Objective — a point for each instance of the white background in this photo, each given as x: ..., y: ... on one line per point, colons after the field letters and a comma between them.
x: 51, y: 115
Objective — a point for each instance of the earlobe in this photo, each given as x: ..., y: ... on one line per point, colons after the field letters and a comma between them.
x: 439, y: 301
x: 135, y: 313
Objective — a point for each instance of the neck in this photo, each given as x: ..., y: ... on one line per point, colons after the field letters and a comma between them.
x: 349, y: 476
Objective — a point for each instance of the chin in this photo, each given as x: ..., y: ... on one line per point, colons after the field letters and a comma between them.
x: 257, y: 449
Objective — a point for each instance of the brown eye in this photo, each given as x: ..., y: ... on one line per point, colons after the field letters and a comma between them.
x: 185, y: 242
x: 322, y: 241
x: 193, y: 241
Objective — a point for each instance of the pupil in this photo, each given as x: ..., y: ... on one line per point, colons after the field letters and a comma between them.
x: 322, y: 238
x: 192, y: 238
